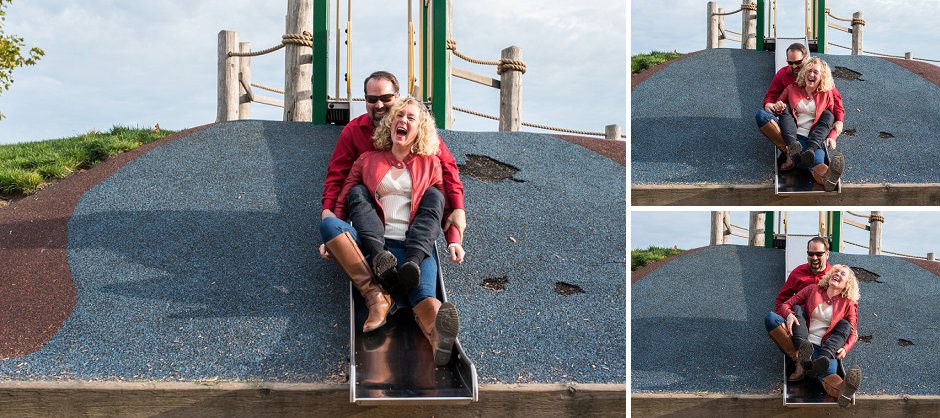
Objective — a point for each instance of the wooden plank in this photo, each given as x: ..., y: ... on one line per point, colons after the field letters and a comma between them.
x: 265, y: 399
x: 474, y: 77
x: 918, y: 194
x: 706, y: 404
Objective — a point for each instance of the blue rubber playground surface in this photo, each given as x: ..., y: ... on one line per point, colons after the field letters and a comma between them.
x: 697, y: 324
x: 198, y: 261
x: 693, y: 121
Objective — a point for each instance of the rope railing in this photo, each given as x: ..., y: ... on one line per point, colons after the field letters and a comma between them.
x: 885, y: 55
x: 271, y: 89
x: 534, y: 125
x: 745, y: 6
x: 304, y: 39
x: 502, y: 64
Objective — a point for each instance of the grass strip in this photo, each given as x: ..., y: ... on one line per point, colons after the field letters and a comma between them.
x: 640, y: 62
x: 640, y: 258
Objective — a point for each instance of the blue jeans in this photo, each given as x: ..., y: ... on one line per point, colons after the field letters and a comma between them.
x: 333, y: 227
x: 763, y: 117
x: 833, y: 364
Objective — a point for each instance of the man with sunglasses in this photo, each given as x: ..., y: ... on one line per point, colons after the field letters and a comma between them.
x: 381, y: 89
x: 768, y: 117
x: 809, y: 274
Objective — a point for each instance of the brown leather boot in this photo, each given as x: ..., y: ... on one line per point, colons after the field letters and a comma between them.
x: 782, y: 339
x: 350, y: 259
x: 772, y: 131
x: 440, y: 324
x: 843, y: 390
x: 820, y: 173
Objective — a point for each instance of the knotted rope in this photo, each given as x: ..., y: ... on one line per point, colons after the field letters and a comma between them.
x: 533, y: 125
x: 502, y: 65
x: 303, y: 39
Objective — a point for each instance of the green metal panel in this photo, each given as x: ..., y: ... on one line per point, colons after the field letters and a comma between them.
x: 439, y: 50
x: 321, y: 50
x: 769, y: 229
x: 760, y: 25
x: 821, y: 26
x: 425, y: 52
x: 836, y: 227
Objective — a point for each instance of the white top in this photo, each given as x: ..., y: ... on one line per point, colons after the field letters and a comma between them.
x: 821, y: 318
x: 805, y: 115
x: 394, y: 193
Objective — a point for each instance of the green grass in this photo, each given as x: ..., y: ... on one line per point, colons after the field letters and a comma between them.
x: 640, y: 62
x: 640, y: 258
x: 25, y: 167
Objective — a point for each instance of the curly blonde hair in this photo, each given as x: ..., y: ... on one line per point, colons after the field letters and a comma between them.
x: 851, y: 287
x: 825, y: 75
x: 426, y: 142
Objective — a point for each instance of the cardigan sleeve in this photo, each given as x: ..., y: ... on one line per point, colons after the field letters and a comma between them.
x: 786, y: 308
x: 852, y: 317
x: 354, y: 177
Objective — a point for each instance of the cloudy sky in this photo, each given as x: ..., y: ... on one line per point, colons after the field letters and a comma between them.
x: 140, y: 63
x: 914, y: 233
x: 891, y: 26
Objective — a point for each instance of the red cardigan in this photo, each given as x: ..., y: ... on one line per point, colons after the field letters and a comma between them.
x: 371, y: 167
x: 355, y: 140
x: 811, y: 296
x: 825, y: 100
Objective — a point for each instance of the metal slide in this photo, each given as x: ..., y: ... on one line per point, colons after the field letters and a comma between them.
x: 394, y: 364
x: 807, y: 392
x: 797, y: 180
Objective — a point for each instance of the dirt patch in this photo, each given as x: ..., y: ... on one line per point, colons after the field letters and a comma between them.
x: 904, y: 343
x: 865, y: 339
x: 488, y: 170
x: 495, y: 284
x: 849, y: 132
x: 865, y: 276
x: 885, y: 135
x: 567, y: 289
x: 843, y: 73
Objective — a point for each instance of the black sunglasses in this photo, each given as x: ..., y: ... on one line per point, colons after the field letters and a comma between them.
x: 816, y: 253
x: 797, y: 62
x: 384, y: 98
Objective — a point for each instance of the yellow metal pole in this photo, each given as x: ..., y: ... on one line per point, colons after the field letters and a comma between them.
x: 349, y: 50
x: 411, y: 52
x: 775, y: 20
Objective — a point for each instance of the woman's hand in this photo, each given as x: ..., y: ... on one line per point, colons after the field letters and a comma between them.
x: 779, y: 107
x: 831, y: 143
x: 456, y: 253
x: 840, y: 353
x: 791, y: 320
x: 324, y: 253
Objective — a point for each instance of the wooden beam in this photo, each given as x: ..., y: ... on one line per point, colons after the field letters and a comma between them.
x: 474, y: 77
x: 266, y: 399
x: 920, y: 194
x: 260, y: 99
x: 771, y: 405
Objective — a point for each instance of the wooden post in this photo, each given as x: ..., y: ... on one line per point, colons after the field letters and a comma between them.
x: 755, y: 229
x: 749, y: 25
x: 510, y: 93
x: 244, y: 77
x: 298, y: 63
x: 227, y: 94
x: 874, y: 238
x: 858, y: 23
x: 612, y: 132
x: 930, y: 257
x: 718, y: 228
x: 726, y: 227
x: 712, y: 25
x: 908, y: 55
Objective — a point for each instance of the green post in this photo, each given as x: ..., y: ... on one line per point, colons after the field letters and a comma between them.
x: 821, y: 26
x: 760, y: 25
x: 769, y: 229
x: 439, y: 59
x: 836, y: 227
x: 425, y: 52
x: 321, y: 50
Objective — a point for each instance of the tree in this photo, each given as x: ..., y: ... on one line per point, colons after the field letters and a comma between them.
x: 11, y: 53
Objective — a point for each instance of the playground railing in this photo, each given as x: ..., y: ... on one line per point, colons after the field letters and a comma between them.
x: 717, y: 32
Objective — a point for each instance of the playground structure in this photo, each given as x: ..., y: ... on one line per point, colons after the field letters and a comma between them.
x: 429, y: 70
x: 762, y: 231
x: 759, y: 28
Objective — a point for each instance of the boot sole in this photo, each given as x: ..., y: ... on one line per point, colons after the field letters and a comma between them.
x: 818, y: 367
x: 408, y: 276
x: 794, y: 150
x: 836, y: 168
x: 383, y: 266
x: 806, y: 159
x: 853, y: 379
x: 447, y: 324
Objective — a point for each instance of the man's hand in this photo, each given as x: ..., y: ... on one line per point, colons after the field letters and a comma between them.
x: 840, y: 353
x: 324, y: 253
x: 791, y: 320
x: 457, y: 218
x: 327, y: 214
x: 456, y: 253
x: 779, y: 107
